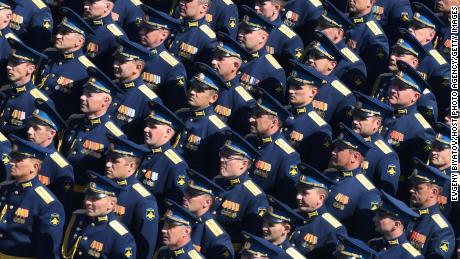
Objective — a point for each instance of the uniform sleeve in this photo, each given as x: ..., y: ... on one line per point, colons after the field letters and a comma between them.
x: 252, y: 221
x: 50, y: 229
x: 146, y: 227
x: 388, y: 172
x: 293, y: 48
x: 363, y: 215
x: 41, y: 28
x: 289, y: 177
x: 63, y: 185
x: 441, y: 244
x: 173, y: 92
x: 275, y: 84
x: 177, y: 182
x: 228, y: 21
x: 124, y: 247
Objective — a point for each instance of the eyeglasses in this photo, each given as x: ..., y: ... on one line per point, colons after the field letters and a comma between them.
x: 225, y: 157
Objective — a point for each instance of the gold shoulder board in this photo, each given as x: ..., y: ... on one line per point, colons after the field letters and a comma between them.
x: 44, y: 194
x: 228, y: 2
x: 39, y: 4
x: 341, y: 87
x: 118, y: 227
x: 169, y: 58
x: 409, y: 248
x: 287, y: 31
x: 208, y: 31
x: 59, y: 160
x: 435, y: 54
x: 114, y: 30
x: 331, y: 220
x: 114, y: 129
x: 194, y: 254
x: 37, y: 94
x: 349, y: 54
x: 365, y: 182
x: 173, y: 156
x: 216, y: 121
x: 374, y: 28
x: 382, y: 146
x: 292, y: 252
x: 149, y: 93
x: 11, y: 35
x: 273, y: 61
x: 252, y: 187
x: 284, y: 146
x: 422, y: 121
x: 85, y: 61
x: 2, y: 137
x: 141, y: 190
x: 316, y: 3
x: 215, y: 229
x: 439, y: 220
x: 136, y: 2
x: 243, y: 93
x: 316, y: 118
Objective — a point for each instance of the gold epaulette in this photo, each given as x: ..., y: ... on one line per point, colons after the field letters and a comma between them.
x: 217, y: 122
x: 348, y: 53
x: 114, y: 129
x: 422, y: 121
x: 114, y: 30
x: 317, y: 119
x: 173, y: 156
x: 341, y: 87
x: 148, y: 92
x: 252, y: 187
x: 284, y: 146
x: 208, y: 31
x: 214, y: 227
x: 365, y: 182
x: 409, y: 248
x: 437, y: 56
x: 243, y: 93
x: 383, y: 146
x: 39, y: 4
x: 141, y: 190
x: 439, y: 220
x: 37, y: 94
x: 287, y: 31
x: 118, y: 227
x: 169, y: 58
x: 85, y: 61
x: 44, y: 194
x: 331, y: 220
x: 273, y: 61
x: 374, y: 28
x: 59, y: 160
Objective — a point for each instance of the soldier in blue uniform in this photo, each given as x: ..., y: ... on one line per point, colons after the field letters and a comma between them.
x: 20, y: 94
x: 223, y: 17
x: 444, y: 46
x: 440, y: 157
x: 302, y: 17
x: 257, y: 247
x: 307, y: 132
x: 44, y: 126
x: 6, y: 7
x: 279, y: 221
x: 424, y: 26
x: 204, y: 135
x: 128, y: 14
x: 195, y: 40
x: 349, y: 247
x: 382, y: 162
x: 262, y: 69
x: 368, y: 39
x: 275, y: 171
x: 132, y: 106
x: 350, y: 68
x: 317, y: 238
x: 101, y: 45
x: 208, y: 237
x: 243, y: 203
x: 408, y: 133
x: 136, y: 207
x: 163, y: 73
x: 32, y: 20
x: 234, y: 103
x: 163, y: 170
x: 63, y: 75
x: 409, y: 50
x: 176, y: 232
x: 390, y: 220
x: 283, y: 43
x: 96, y: 230
x: 32, y: 217
x: 432, y: 235
x: 354, y: 197
x: 85, y: 142
x: 333, y: 100
x: 392, y: 15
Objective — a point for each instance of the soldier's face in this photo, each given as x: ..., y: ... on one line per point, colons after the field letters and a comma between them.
x: 172, y: 234
x: 195, y: 203
x: 440, y: 157
x: 226, y: 66
x: 423, y: 35
x: 409, y: 59
x: 274, y: 232
x: 232, y: 165
x: 152, y: 38
x: 98, y: 206
x: 366, y: 126
x: 383, y: 223
x: 191, y: 8
x: 341, y: 157
x: 401, y: 97
x: 309, y: 199
x: 96, y: 9
x: 22, y: 168
x: 261, y: 124
x: 93, y: 102
x: 68, y: 40
x: 420, y: 194
x: 444, y: 5
x: 5, y: 17
x: 124, y: 70
x: 156, y: 134
x: 17, y: 72
x: 357, y: 6
x: 41, y: 135
x: 198, y: 98
x: 118, y: 168
x: 266, y: 8
x: 250, y: 39
x: 301, y: 95
x: 321, y: 65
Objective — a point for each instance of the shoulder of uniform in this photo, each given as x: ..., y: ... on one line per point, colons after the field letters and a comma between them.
x: 293, y: 253
x: 136, y: 2
x: 115, y: 30
x: 243, y: 93
x: 317, y: 119
x: 75, y: 117
x: 113, y: 129
x: 208, y: 31
x: 173, y: 156
x: 349, y: 54
x: 374, y: 27
x: 365, y: 182
x: 46, y: 195
x: 7, y: 182
x: 341, y: 87
x: 316, y: 3
x: 147, y: 92
x: 37, y: 94
x: 272, y: 60
x: 252, y: 187
x: 85, y: 61
x: 59, y: 159
x: 374, y: 241
x: 228, y: 2
x: 79, y: 212
x: 118, y: 227
x: 284, y: 146
x: 166, y: 56
x: 439, y: 220
x: 214, y: 227
x: 331, y: 220
x: 3, y: 137
x: 383, y: 146
x: 422, y: 121
x: 193, y: 254
x: 412, y: 251
x: 182, y: 110
x: 217, y: 122
x: 438, y: 57
x: 141, y: 190
x: 39, y: 4
x: 11, y: 35
x: 287, y: 31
